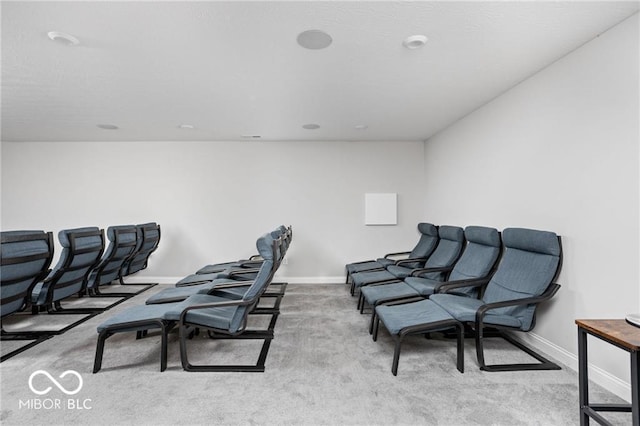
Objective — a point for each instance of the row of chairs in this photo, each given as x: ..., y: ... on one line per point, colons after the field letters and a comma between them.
x: 219, y: 303
x: 475, y: 281
x: 83, y: 269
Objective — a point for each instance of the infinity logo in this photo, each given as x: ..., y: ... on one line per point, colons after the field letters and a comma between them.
x: 55, y: 382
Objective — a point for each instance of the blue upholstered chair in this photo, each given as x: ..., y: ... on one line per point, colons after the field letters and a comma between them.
x: 472, y: 270
x: 81, y: 251
x: 26, y: 256
x: 147, y: 241
x: 122, y: 245
x: 231, y: 280
x: 426, y: 244
x: 240, y: 271
x: 525, y: 277
x: 252, y: 262
x: 450, y: 245
x: 223, y: 315
x: 24, y: 260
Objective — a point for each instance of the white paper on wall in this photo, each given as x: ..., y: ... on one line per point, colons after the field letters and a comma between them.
x: 381, y: 209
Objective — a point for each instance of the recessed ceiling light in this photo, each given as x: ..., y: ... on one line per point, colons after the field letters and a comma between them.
x: 314, y: 39
x: 415, y: 41
x: 108, y: 126
x: 186, y: 126
x: 311, y: 126
x: 63, y: 38
x: 360, y: 126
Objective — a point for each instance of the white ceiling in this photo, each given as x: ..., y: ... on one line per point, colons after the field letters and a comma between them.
x: 234, y: 68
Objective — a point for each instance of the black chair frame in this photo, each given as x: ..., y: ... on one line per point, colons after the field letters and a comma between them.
x: 498, y: 331
x: 141, y: 328
x: 186, y: 332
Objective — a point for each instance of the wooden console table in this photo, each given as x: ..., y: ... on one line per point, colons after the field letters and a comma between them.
x: 623, y: 335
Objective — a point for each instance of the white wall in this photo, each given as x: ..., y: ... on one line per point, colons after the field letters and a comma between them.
x: 559, y: 152
x: 213, y: 199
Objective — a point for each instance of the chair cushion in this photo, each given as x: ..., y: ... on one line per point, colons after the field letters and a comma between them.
x: 447, y: 251
x: 426, y: 243
x: 365, y: 278
x: 543, y: 242
x: 398, y: 317
x: 482, y: 235
x: 374, y: 293
x: 142, y: 314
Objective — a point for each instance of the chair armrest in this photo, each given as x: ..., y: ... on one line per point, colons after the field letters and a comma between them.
x: 446, y: 286
x: 400, y: 253
x: 256, y: 257
x: 420, y: 271
x: 411, y: 260
x: 402, y: 301
x: 546, y: 295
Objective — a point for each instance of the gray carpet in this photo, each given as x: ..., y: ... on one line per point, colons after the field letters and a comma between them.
x: 323, y: 368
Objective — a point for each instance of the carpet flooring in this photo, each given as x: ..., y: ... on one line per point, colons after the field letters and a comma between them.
x: 322, y: 369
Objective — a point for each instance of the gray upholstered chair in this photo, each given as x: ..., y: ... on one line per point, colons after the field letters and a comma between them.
x: 25, y: 259
x: 147, y: 241
x: 81, y: 251
x: 233, y: 281
x: 426, y: 244
x: 529, y: 266
x: 223, y: 315
x: 450, y: 245
x: 122, y: 245
x: 26, y: 256
x: 236, y: 271
x: 252, y: 262
x: 472, y: 270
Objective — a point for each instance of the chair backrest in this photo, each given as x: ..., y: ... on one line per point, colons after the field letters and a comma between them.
x: 148, y: 241
x: 24, y: 260
x: 268, y: 248
x: 450, y: 245
x: 530, y: 262
x: 479, y: 257
x: 122, y: 245
x: 426, y: 244
x: 81, y: 252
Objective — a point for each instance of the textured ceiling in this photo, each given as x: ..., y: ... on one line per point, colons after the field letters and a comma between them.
x: 234, y: 68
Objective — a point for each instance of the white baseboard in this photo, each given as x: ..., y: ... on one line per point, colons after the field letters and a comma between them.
x: 603, y: 378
